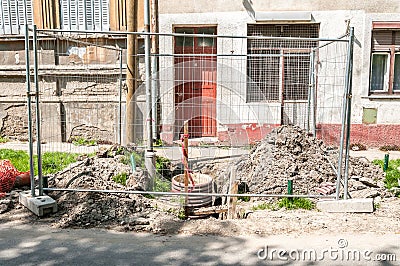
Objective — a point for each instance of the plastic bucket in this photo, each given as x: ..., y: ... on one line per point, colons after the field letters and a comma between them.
x: 202, y: 184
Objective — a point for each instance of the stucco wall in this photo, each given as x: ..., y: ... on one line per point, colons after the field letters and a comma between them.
x: 232, y: 17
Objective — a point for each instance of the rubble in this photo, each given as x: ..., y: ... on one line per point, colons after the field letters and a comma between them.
x: 288, y: 152
x: 88, y: 209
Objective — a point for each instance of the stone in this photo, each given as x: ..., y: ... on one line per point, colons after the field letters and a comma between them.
x: 345, y: 206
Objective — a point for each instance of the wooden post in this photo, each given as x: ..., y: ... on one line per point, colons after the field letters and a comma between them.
x: 186, y: 163
x: 131, y: 70
x: 233, y: 189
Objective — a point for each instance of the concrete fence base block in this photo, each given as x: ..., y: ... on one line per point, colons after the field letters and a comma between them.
x: 39, y: 205
x: 350, y: 205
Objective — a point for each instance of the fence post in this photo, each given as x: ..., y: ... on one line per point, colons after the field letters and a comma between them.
x: 38, y: 137
x: 29, y: 106
x: 345, y: 114
x: 120, y: 100
x: 149, y: 122
x: 349, y: 74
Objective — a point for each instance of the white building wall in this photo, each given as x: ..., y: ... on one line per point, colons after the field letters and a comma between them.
x: 231, y: 91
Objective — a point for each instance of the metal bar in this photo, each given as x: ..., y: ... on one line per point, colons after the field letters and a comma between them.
x: 63, y: 37
x: 147, y: 43
x: 332, y: 41
x: 342, y: 140
x: 314, y: 98
x: 232, y: 55
x: 120, y: 100
x: 38, y: 137
x: 196, y: 35
x: 309, y: 94
x: 349, y: 74
x: 29, y: 106
x: 184, y: 194
x: 154, y: 90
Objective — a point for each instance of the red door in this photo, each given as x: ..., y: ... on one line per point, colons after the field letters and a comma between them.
x: 195, y: 81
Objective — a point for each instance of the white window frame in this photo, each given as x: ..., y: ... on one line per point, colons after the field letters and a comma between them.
x: 386, y: 75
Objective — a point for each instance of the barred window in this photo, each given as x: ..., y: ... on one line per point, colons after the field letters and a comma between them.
x: 279, y: 67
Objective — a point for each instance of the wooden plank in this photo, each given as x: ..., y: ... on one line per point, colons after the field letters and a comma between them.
x: 233, y: 189
x: 186, y: 163
x: 210, y: 210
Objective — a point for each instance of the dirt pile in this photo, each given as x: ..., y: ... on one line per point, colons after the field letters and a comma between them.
x: 289, y: 153
x: 87, y: 209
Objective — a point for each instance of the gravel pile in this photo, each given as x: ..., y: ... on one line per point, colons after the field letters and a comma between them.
x: 289, y: 153
x: 114, y: 210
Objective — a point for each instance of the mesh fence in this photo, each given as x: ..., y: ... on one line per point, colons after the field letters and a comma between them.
x: 246, y: 100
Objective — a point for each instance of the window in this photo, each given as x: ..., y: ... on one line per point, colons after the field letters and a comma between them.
x: 385, y: 58
x: 279, y: 69
x: 12, y: 16
x: 85, y: 15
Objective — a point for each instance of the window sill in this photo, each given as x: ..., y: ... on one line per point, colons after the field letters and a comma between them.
x: 382, y: 97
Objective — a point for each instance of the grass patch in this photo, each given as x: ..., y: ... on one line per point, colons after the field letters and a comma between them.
x: 264, y: 206
x: 52, y: 162
x: 79, y: 141
x: 296, y: 203
x: 392, y: 174
x: 20, y: 159
x: 120, y: 178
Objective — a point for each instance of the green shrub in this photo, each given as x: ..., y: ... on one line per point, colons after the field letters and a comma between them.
x: 79, y: 141
x: 120, y: 178
x: 264, y: 206
x: 392, y: 174
x: 296, y: 203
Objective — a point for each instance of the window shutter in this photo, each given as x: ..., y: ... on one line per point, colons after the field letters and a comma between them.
x: 65, y: 21
x: 85, y: 14
x: 73, y: 14
x: 21, y: 15
x: 5, y: 19
x: 381, y: 40
x: 81, y: 15
x: 105, y: 15
x: 14, y: 17
x: 97, y: 14
x: 397, y: 39
x: 89, y: 14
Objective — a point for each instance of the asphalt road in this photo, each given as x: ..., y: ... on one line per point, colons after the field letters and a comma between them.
x: 25, y: 244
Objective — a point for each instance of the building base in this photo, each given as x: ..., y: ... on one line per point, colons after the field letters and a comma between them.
x: 39, y: 205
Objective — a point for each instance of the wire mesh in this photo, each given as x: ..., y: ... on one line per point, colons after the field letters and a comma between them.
x: 233, y: 91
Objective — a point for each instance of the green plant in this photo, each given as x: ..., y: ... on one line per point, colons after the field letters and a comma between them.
x: 20, y: 159
x: 161, y: 185
x: 264, y: 206
x: 296, y: 203
x: 80, y: 141
x: 163, y: 166
x: 120, y: 178
x: 181, y: 214
x: 52, y: 162
x: 158, y: 143
x: 139, y: 158
x: 3, y: 139
x: 392, y: 172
